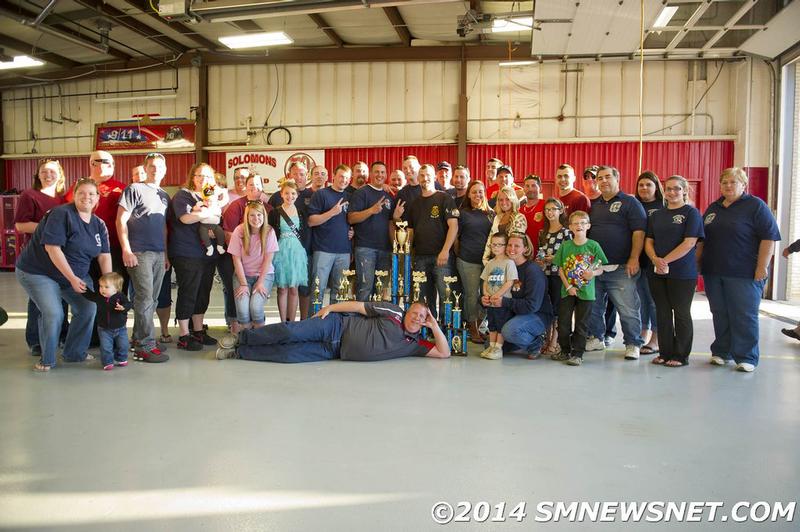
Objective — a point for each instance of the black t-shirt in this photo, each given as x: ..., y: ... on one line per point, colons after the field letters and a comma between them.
x: 379, y: 335
x: 473, y: 231
x: 408, y: 194
x: 428, y: 218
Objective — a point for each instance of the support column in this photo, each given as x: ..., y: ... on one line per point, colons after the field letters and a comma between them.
x: 462, y: 112
x: 201, y: 116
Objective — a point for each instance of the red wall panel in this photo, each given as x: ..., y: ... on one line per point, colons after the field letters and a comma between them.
x: 20, y: 172
x: 698, y: 161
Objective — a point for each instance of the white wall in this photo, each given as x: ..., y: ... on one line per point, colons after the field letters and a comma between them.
x: 341, y: 104
x: 79, y: 138
x: 751, y: 108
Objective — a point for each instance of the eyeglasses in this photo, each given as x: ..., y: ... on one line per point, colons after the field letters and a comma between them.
x: 498, y: 244
x: 103, y: 161
x: 582, y: 223
x: 673, y: 189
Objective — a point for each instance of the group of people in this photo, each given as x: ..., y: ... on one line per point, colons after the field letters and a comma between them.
x: 532, y: 266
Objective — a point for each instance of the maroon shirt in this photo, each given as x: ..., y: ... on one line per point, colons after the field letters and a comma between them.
x: 575, y: 201
x: 32, y: 206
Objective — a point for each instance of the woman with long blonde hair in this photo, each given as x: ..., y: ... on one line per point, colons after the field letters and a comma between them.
x: 252, y: 246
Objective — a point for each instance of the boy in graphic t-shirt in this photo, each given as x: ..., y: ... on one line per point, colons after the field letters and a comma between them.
x: 578, y: 262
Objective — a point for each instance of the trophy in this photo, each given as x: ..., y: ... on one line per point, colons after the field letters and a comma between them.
x: 317, y: 302
x: 448, y: 305
x: 400, y: 237
x: 401, y: 261
x: 379, y: 274
x: 458, y: 346
x: 344, y: 286
x: 418, y: 277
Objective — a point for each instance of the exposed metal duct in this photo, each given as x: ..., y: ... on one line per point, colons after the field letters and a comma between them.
x: 44, y: 28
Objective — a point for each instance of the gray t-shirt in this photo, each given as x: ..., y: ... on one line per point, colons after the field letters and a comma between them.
x: 379, y: 335
x: 497, y: 272
x: 147, y: 205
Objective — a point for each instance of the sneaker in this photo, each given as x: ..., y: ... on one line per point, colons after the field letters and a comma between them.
x: 226, y: 352
x: 717, y: 360
x: 154, y: 356
x: 494, y: 353
x: 560, y: 356
x: 631, y: 352
x: 228, y: 341
x: 486, y: 351
x: 574, y: 361
x: 594, y: 344
x: 791, y: 333
x: 221, y: 250
x: 189, y: 343
x: 746, y: 367
x: 608, y: 340
x: 159, y: 345
x: 203, y: 337
x: 108, y: 367
x: 121, y: 363
x: 209, y: 251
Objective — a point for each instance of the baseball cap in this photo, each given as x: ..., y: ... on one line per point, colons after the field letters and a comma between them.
x: 444, y: 165
x: 591, y: 170
x: 505, y: 168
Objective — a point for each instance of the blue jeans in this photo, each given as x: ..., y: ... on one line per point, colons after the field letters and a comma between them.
x: 250, y: 307
x: 309, y: 340
x: 368, y: 261
x: 32, y: 325
x: 435, y: 283
x: 734, y: 305
x: 621, y: 290
x: 146, y: 281
x: 47, y: 295
x: 648, y: 306
x: 114, y: 345
x: 327, y: 267
x: 470, y: 275
x: 525, y: 332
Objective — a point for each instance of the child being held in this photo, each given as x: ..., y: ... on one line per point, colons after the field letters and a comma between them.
x: 578, y: 262
x: 112, y: 313
x: 214, y: 199
x: 498, y: 277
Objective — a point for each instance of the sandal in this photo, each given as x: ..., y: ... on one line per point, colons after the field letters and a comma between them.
x: 165, y: 339
x: 658, y: 361
x: 648, y: 350
x: 675, y: 363
x: 41, y: 368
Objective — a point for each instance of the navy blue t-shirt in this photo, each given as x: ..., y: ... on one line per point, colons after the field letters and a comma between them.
x: 733, y: 235
x: 183, y: 238
x: 473, y: 231
x: 613, y: 223
x: 330, y: 237
x: 408, y: 194
x: 80, y: 241
x: 148, y: 206
x: 373, y: 232
x: 668, y: 228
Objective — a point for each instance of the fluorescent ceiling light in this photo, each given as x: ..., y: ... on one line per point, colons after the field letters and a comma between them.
x: 663, y: 18
x: 522, y: 62
x: 118, y: 99
x: 20, y: 61
x: 502, y: 25
x: 256, y: 40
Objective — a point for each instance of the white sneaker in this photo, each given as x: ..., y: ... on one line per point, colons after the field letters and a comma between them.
x: 209, y: 251
x: 718, y: 360
x: 631, y: 352
x: 494, y: 353
x: 744, y: 366
x: 221, y: 250
x: 594, y: 344
x: 486, y: 351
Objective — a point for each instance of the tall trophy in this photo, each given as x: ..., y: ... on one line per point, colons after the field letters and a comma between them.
x: 458, y: 344
x: 344, y: 286
x: 448, y: 304
x: 401, y: 258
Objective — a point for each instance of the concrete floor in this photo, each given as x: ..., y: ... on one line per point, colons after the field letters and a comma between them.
x: 198, y: 444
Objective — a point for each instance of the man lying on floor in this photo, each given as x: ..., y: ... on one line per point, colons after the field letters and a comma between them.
x: 350, y: 330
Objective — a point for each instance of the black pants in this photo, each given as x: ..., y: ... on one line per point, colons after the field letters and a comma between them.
x: 225, y: 269
x: 573, y: 342
x: 195, y: 277
x: 554, y: 285
x: 673, y: 299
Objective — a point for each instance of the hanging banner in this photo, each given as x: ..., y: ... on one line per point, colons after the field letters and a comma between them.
x: 145, y: 135
x: 271, y: 165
